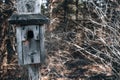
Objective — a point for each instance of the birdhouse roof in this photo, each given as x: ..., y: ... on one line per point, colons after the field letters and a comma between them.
x: 28, y: 19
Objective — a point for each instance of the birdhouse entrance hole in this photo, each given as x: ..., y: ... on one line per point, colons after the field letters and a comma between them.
x: 30, y: 34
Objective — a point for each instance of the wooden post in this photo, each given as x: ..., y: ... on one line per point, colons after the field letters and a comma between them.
x: 33, y: 7
x: 34, y: 72
x: 33, y: 69
x: 31, y: 52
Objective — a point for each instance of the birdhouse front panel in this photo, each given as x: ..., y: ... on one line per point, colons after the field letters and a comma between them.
x: 29, y: 44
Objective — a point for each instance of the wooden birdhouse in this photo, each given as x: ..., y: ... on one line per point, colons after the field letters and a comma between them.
x: 30, y: 37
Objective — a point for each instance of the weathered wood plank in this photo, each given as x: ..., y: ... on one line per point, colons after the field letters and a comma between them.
x: 25, y: 46
x: 31, y: 47
x: 19, y: 45
x: 28, y: 19
x: 42, y: 46
x: 30, y: 52
x: 28, y: 6
x: 34, y: 72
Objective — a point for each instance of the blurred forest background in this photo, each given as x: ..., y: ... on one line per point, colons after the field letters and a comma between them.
x: 82, y: 41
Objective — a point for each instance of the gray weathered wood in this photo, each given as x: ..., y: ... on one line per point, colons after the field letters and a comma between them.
x: 28, y: 6
x: 34, y: 72
x: 19, y: 45
x: 31, y: 48
x: 31, y: 52
x: 28, y: 19
x: 42, y: 46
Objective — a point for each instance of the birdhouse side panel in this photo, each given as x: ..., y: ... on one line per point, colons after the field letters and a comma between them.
x: 19, y: 45
x: 42, y: 45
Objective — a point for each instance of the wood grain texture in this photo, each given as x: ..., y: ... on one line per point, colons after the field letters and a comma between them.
x: 42, y: 45
x: 19, y: 45
x: 34, y: 73
x: 31, y: 50
x: 31, y: 47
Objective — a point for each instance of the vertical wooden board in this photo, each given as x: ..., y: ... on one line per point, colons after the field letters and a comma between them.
x: 42, y: 46
x: 25, y: 45
x: 31, y: 54
x: 29, y: 6
x: 19, y: 45
x: 34, y: 73
x: 38, y: 6
x: 35, y: 49
x: 31, y: 49
x: 34, y: 53
x: 24, y: 30
x: 36, y: 32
